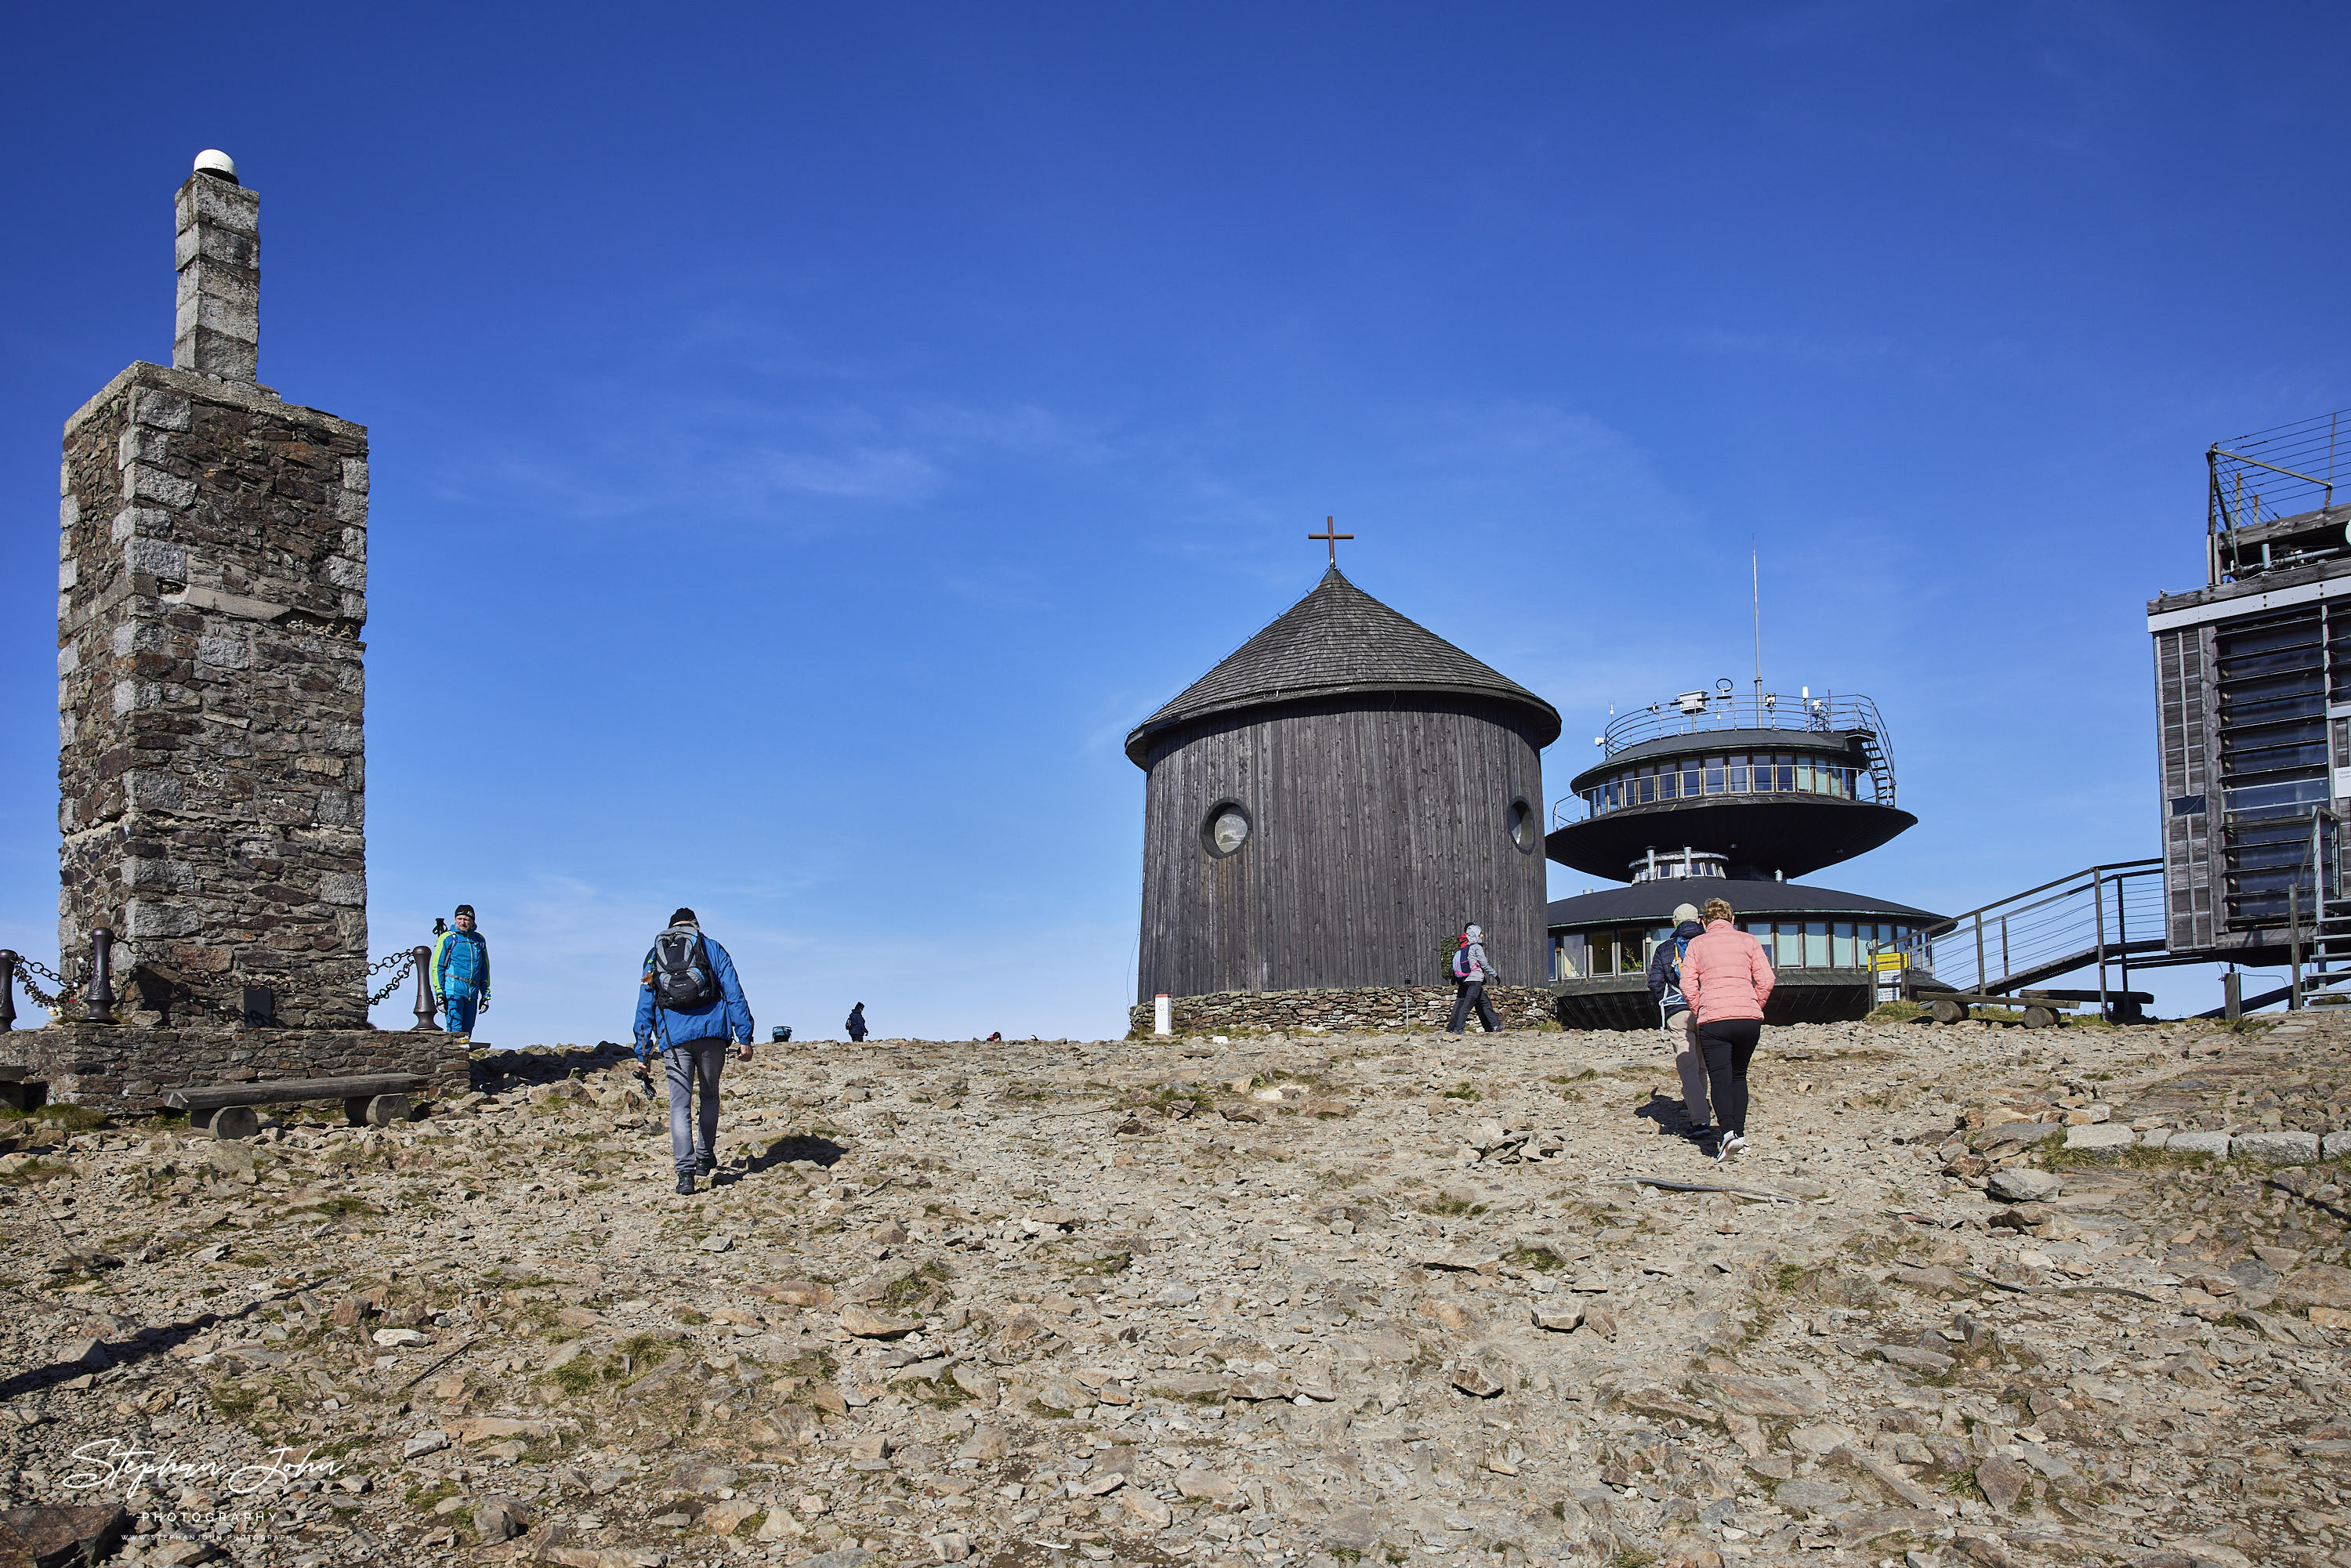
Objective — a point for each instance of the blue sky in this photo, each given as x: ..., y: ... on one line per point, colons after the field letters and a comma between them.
x: 806, y: 439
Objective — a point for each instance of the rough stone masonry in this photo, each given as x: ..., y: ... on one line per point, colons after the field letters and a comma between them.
x: 212, y: 588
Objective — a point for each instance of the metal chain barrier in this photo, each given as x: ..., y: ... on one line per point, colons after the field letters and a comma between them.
x: 402, y: 964
x: 407, y: 962
x: 43, y: 999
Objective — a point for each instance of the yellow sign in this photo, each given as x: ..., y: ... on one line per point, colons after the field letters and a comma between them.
x: 1885, y: 963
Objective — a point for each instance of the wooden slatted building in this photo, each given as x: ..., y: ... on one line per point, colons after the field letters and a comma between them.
x: 1326, y: 807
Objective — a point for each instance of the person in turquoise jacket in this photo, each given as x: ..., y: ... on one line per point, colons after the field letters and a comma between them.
x: 461, y: 973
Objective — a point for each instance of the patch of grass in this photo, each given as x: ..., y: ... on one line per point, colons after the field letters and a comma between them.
x: 945, y: 1395
x: 422, y: 1498
x: 688, y: 1315
x: 2138, y: 1157
x: 1628, y: 1558
x: 1542, y: 1260
x: 1206, y: 1397
x: 59, y: 1114
x: 251, y: 1260
x: 916, y: 1287
x: 1462, y: 1090
x: 1450, y: 1207
x: 575, y: 1378
x: 38, y: 1170
x: 1107, y: 1264
x: 234, y: 1400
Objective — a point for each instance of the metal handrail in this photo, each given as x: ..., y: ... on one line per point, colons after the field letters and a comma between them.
x: 2078, y: 920
x: 1693, y: 713
x: 2308, y: 444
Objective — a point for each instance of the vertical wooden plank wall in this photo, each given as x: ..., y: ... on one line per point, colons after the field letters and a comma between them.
x: 1377, y: 832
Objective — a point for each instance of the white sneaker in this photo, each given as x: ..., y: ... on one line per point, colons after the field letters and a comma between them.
x: 1732, y: 1144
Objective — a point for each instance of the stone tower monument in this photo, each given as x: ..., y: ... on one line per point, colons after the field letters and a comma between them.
x: 212, y: 588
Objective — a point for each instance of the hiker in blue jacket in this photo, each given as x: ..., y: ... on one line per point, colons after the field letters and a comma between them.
x: 689, y: 1005
x: 461, y: 973
x: 1680, y: 1024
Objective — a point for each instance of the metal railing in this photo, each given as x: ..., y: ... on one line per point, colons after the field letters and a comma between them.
x: 1691, y: 713
x: 2089, y: 917
x: 2273, y: 474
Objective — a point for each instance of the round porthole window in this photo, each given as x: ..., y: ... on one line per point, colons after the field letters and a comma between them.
x: 1521, y: 825
x: 1226, y: 829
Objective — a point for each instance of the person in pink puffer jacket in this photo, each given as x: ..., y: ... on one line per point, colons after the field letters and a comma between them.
x: 1727, y: 980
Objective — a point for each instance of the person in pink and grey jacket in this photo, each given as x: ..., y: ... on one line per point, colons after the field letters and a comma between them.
x: 1727, y: 980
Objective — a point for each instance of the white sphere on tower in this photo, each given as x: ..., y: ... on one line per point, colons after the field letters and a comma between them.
x: 212, y: 160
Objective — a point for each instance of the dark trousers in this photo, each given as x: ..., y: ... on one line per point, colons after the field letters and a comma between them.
x: 1467, y: 994
x: 1728, y: 1045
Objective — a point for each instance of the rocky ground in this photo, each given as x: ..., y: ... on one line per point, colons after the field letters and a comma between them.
x: 1312, y: 1301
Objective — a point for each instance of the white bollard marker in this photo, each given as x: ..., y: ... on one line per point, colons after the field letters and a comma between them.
x: 1163, y: 1014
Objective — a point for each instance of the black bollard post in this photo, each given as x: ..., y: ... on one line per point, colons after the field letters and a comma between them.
x: 423, y: 960
x: 98, y: 999
x: 7, y: 991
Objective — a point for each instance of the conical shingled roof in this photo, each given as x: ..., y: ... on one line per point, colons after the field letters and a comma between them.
x: 1339, y: 639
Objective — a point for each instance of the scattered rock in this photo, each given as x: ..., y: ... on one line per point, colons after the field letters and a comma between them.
x: 53, y: 1537
x: 867, y: 1324
x: 2002, y: 1480
x: 2022, y: 1184
x: 500, y: 1519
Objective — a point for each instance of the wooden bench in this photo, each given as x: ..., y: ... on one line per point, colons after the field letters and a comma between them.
x: 375, y: 1099
x: 2041, y: 1008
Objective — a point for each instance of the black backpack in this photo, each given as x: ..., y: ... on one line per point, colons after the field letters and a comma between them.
x: 681, y: 973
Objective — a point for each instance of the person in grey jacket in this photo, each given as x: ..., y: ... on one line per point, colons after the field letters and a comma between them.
x: 1470, y: 973
x: 1680, y: 1024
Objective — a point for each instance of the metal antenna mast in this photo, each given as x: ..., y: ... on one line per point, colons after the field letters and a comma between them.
x: 1755, y: 587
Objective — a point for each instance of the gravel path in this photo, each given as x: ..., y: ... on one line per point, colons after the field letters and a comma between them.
x: 1316, y: 1300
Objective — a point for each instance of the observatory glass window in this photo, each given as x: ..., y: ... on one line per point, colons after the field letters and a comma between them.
x: 1227, y: 830
x: 1786, y: 769
x: 1690, y: 776
x: 1714, y: 775
x: 1567, y: 958
x: 1816, y: 945
x: 1521, y: 825
x: 1843, y: 952
x: 1739, y: 775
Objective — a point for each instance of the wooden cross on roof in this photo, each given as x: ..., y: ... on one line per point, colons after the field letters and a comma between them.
x: 1331, y: 536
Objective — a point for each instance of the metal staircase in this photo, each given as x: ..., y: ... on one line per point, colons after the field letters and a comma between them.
x: 2102, y: 915
x: 1881, y: 767
x: 2318, y: 919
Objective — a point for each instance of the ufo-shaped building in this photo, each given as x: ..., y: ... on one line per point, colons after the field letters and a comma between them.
x: 1713, y: 795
